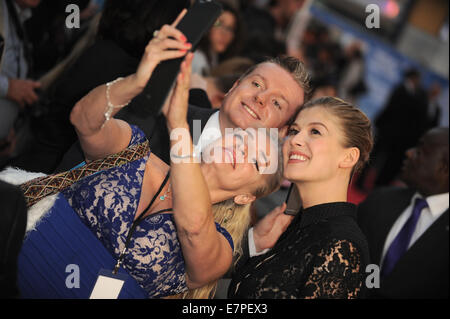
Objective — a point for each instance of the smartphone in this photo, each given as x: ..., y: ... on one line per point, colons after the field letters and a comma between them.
x: 197, y: 21
x: 293, y: 201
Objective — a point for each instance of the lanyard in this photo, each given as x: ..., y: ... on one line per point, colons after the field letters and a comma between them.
x: 138, y: 221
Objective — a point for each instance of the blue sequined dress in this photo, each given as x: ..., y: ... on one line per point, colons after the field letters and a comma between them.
x: 87, y: 227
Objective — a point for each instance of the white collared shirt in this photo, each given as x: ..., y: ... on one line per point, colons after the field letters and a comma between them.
x: 210, y: 133
x: 437, y: 205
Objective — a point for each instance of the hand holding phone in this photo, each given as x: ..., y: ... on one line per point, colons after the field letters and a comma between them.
x: 197, y: 21
x: 167, y: 43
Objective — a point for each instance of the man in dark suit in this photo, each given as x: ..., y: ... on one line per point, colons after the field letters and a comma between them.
x: 405, y: 118
x: 408, y: 228
x: 13, y: 219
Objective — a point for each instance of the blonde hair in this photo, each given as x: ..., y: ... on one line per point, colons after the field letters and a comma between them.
x: 235, y: 219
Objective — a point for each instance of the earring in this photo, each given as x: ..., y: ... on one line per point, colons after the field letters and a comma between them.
x: 228, y: 216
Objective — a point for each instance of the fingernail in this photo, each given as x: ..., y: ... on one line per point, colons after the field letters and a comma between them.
x: 183, y: 38
x: 188, y: 45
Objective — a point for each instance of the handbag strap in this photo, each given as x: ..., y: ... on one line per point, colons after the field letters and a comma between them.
x: 40, y: 187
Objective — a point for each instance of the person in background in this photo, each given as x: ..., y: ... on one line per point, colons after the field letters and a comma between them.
x: 219, y: 82
x: 17, y: 90
x: 434, y: 108
x: 49, y: 35
x: 117, y: 49
x: 405, y: 118
x: 351, y: 80
x: 260, y: 28
x: 323, y: 87
x: 13, y: 218
x: 215, y: 89
x: 407, y: 228
x: 222, y: 42
x: 297, y: 29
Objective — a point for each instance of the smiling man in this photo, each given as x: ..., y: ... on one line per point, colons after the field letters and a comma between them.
x: 267, y: 95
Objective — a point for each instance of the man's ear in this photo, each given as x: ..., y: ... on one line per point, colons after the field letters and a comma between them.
x: 217, y: 99
x: 244, y: 199
x: 351, y: 158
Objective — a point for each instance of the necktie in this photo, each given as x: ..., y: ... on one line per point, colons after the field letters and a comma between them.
x: 40, y: 187
x: 400, y: 244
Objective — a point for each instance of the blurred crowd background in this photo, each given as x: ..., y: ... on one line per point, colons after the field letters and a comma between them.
x: 397, y: 73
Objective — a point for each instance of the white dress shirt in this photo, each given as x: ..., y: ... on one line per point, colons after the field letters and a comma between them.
x: 210, y: 133
x: 437, y: 205
x: 251, y: 245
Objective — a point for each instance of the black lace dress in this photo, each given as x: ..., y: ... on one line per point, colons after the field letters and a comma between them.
x: 322, y: 254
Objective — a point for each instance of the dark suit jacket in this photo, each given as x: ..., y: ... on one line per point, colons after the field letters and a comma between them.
x: 423, y: 271
x: 404, y: 116
x: 13, y: 220
x: 53, y: 133
x: 158, y: 136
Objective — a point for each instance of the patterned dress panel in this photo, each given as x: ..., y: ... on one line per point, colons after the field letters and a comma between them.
x: 107, y: 202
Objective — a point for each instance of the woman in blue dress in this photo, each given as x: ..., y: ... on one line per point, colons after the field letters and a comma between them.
x: 168, y: 234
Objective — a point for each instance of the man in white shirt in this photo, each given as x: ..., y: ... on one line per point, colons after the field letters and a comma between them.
x: 408, y: 229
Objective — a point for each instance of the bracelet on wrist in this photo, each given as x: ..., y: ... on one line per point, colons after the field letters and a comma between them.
x: 182, y: 157
x: 110, y: 107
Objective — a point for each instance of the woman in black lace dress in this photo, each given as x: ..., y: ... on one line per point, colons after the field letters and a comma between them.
x: 322, y: 253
